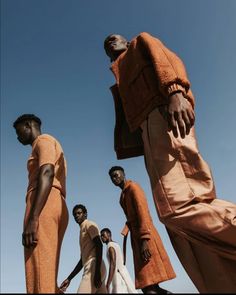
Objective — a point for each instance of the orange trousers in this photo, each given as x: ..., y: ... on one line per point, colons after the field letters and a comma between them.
x: 201, y: 227
x: 42, y: 261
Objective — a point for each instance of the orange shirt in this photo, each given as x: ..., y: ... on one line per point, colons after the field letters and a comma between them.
x: 47, y: 150
x: 88, y: 231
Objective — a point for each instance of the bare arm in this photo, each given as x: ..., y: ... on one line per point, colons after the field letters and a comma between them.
x: 76, y: 270
x: 45, y: 180
x: 112, y: 266
x: 97, y: 276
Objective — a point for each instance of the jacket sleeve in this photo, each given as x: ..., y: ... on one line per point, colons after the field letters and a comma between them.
x: 141, y: 212
x: 169, y: 68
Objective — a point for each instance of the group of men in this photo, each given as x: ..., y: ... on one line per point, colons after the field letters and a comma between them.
x: 153, y: 97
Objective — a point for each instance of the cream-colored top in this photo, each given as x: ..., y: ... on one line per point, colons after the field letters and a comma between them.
x: 47, y: 150
x: 88, y: 231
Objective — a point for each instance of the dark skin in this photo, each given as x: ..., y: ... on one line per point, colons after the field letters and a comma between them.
x: 27, y: 132
x: 79, y: 217
x: 178, y: 112
x: 118, y: 179
x: 106, y: 238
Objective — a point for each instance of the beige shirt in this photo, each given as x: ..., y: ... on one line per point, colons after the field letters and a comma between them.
x: 47, y: 150
x: 88, y: 231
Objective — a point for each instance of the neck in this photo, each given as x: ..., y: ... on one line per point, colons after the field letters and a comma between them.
x: 35, y: 134
x: 122, y: 185
x: 117, y: 54
x: 110, y: 240
x: 82, y: 222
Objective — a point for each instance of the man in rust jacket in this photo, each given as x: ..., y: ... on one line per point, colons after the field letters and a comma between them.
x: 152, y: 95
x: 151, y: 262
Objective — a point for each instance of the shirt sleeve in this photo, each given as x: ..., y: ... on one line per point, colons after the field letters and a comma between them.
x: 46, y: 151
x: 93, y: 230
x: 168, y: 66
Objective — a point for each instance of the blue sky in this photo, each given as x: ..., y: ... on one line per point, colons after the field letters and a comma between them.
x: 53, y: 64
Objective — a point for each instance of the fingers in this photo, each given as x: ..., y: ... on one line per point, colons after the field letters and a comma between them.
x: 29, y: 240
x: 146, y: 255
x: 98, y: 284
x: 181, y: 125
x: 172, y: 125
x: 64, y: 285
x: 191, y: 116
x: 186, y: 121
x: 182, y: 121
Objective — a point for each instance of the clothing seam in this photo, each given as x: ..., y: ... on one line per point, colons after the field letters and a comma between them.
x: 156, y: 172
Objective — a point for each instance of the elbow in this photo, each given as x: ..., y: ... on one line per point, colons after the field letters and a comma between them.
x: 49, y: 174
x: 47, y: 171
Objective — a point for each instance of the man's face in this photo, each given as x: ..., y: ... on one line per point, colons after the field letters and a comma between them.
x: 24, y: 133
x: 79, y: 215
x: 114, y: 45
x: 117, y: 177
x: 105, y: 237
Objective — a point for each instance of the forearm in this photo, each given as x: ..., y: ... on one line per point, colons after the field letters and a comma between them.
x: 44, y: 186
x: 111, y: 273
x: 76, y: 270
x: 98, y: 257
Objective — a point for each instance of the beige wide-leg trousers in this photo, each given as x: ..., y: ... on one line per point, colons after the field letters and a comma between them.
x: 42, y: 261
x: 87, y: 284
x: 201, y: 227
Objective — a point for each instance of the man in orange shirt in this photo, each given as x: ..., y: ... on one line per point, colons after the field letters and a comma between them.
x: 153, y: 89
x: 91, y: 261
x: 46, y: 214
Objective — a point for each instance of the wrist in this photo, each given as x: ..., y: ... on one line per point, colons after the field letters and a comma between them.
x: 175, y: 88
x: 33, y: 218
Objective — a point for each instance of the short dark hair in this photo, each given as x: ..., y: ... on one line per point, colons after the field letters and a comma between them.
x: 79, y: 206
x: 27, y: 117
x: 114, y: 168
x: 106, y: 229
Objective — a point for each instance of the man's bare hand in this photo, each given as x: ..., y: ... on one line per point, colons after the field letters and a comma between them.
x: 179, y: 114
x: 97, y: 279
x: 30, y: 234
x: 64, y: 285
x: 145, y: 252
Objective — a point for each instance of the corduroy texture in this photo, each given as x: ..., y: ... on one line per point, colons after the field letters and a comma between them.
x: 201, y: 227
x: 158, y: 269
x: 42, y: 261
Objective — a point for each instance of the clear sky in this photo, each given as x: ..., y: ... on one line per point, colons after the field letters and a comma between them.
x: 53, y: 64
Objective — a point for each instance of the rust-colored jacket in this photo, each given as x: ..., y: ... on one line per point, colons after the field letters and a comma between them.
x: 146, y: 74
x: 139, y: 221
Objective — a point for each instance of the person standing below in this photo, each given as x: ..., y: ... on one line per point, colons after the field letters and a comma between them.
x: 94, y: 275
x: 119, y: 276
x: 156, y: 97
x: 46, y: 214
x: 151, y: 262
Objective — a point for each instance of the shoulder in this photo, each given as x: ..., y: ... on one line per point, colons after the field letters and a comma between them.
x: 45, y: 138
x: 148, y: 40
x: 132, y: 185
x: 90, y: 223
